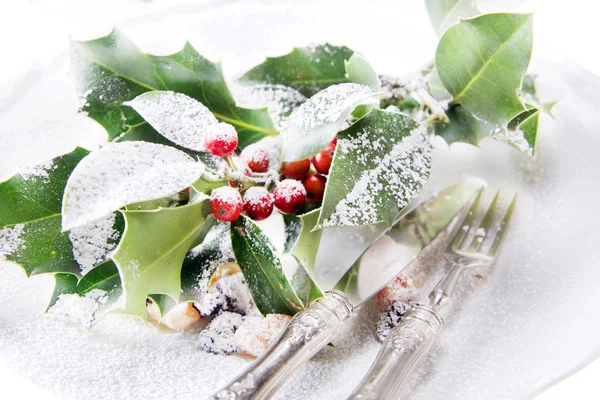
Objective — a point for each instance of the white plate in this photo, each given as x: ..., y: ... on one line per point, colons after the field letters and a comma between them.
x: 532, y: 323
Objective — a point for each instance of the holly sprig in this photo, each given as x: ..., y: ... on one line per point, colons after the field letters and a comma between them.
x: 188, y: 174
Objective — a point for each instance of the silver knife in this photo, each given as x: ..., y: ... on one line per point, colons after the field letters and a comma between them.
x: 311, y: 330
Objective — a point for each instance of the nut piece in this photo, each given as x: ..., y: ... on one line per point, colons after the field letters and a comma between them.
x: 256, y: 333
x: 182, y: 317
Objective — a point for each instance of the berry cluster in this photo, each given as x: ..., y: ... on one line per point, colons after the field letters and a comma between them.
x: 247, y: 192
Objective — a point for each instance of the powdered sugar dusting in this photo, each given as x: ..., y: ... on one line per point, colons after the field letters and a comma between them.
x: 515, y: 138
x: 280, y: 100
x: 93, y: 243
x: 180, y: 118
x: 402, y: 172
x: 257, y: 196
x: 312, y: 125
x: 124, y: 173
x: 36, y: 171
x: 82, y: 309
x: 10, y: 240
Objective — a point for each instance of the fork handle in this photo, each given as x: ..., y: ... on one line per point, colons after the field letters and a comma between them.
x: 308, y: 332
x: 405, y: 347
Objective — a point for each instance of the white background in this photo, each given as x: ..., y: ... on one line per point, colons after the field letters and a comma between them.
x: 27, y: 30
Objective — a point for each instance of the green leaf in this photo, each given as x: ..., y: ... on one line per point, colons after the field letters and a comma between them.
x: 163, y: 302
x: 30, y: 217
x: 108, y: 71
x: 104, y: 277
x: 381, y: 163
x: 270, y: 289
x: 463, y: 127
x: 152, y: 250
x: 125, y: 173
x: 308, y: 69
x: 314, y: 124
x: 189, y: 73
x: 293, y: 225
x: 202, y: 261
x: 111, y: 70
x: 482, y: 61
x: 445, y: 13
x: 358, y: 70
x: 304, y: 286
x: 179, y: 118
x: 307, y: 244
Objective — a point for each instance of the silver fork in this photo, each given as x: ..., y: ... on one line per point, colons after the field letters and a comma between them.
x: 408, y: 344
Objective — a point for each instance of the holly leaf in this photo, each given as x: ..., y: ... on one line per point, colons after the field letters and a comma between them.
x: 280, y: 100
x: 306, y: 69
x: 307, y: 244
x: 293, y: 225
x: 271, y: 291
x: 203, y: 260
x: 111, y: 70
x: 30, y: 217
x: 314, y: 124
x: 463, y: 127
x: 445, y: 13
x: 381, y: 163
x: 151, y: 253
x: 125, y: 173
x: 103, y: 277
x: 358, y: 70
x: 304, y: 286
x: 96, y: 292
x: 176, y: 116
x: 482, y: 61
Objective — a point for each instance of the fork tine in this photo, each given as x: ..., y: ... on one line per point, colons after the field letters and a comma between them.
x: 485, y: 225
x: 467, y: 222
x: 502, y: 230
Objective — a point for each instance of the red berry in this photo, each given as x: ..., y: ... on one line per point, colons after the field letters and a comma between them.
x: 258, y: 159
x: 289, y: 196
x: 221, y: 139
x: 296, y: 169
x: 322, y: 160
x: 226, y: 203
x: 315, y: 188
x: 334, y: 142
x: 258, y: 203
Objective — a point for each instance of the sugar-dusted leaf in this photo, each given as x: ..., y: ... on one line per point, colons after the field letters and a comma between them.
x: 108, y: 71
x: 381, y: 163
x: 188, y: 72
x: 314, y: 124
x: 280, y: 100
x: 306, y: 69
x: 177, y: 117
x: 111, y: 70
x: 358, y: 70
x: 203, y: 260
x: 307, y: 244
x: 96, y: 291
x: 482, y: 61
x: 124, y: 173
x: 271, y: 291
x: 151, y: 253
x: 463, y: 127
x: 30, y: 215
x: 144, y: 132
x: 94, y: 242
x: 293, y: 225
x: 445, y: 13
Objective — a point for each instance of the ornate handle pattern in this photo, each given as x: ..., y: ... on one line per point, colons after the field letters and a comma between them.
x: 406, y: 346
x: 306, y: 334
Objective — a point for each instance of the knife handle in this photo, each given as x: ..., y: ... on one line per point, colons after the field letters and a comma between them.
x: 306, y: 334
x: 405, y: 347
